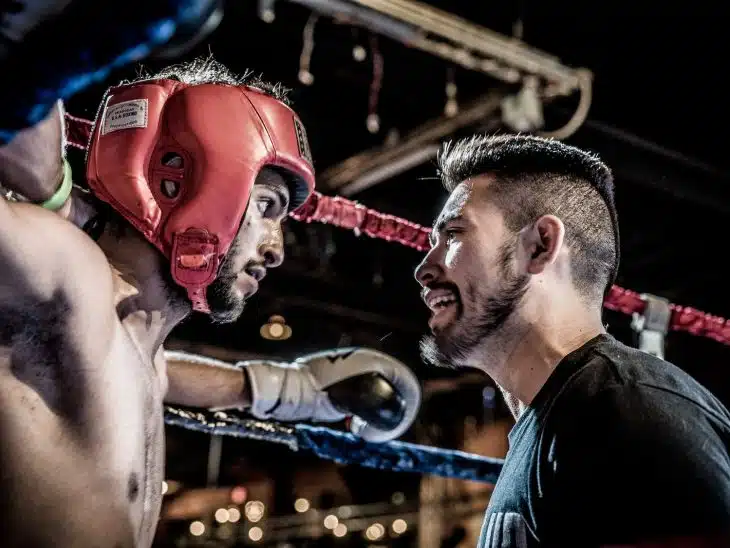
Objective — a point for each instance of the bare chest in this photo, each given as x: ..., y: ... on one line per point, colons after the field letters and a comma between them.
x: 91, y: 425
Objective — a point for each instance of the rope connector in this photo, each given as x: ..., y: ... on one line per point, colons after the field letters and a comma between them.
x: 652, y: 325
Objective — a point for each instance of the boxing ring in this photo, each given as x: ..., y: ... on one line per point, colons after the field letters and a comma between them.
x: 654, y: 315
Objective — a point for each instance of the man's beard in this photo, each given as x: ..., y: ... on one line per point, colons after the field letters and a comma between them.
x: 452, y: 346
x: 226, y: 305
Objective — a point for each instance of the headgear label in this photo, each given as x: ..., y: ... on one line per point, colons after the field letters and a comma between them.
x: 302, y: 141
x: 125, y: 115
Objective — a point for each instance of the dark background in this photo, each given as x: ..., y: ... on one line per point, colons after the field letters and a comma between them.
x: 658, y: 117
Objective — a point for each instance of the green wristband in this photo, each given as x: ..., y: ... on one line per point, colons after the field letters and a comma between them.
x: 55, y: 202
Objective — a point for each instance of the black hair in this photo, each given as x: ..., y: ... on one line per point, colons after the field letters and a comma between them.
x: 206, y: 70
x: 535, y: 176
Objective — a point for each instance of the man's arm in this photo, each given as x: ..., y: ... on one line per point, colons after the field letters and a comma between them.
x: 641, y: 467
x: 199, y: 381
x: 45, y: 259
x: 33, y: 247
x: 32, y: 164
x: 380, y: 393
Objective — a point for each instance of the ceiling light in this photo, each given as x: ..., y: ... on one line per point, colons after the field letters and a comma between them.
x: 276, y: 329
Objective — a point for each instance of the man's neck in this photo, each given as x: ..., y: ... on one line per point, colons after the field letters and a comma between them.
x: 536, y: 357
x: 146, y: 304
x: 531, y: 353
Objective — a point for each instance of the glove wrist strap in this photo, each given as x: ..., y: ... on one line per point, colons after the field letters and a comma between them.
x: 266, y: 383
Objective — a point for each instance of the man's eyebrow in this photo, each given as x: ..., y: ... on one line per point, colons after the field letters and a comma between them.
x: 441, y: 223
x: 279, y: 190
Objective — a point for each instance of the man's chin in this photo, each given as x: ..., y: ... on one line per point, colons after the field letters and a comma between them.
x: 438, y: 351
x: 226, y: 316
x: 226, y: 312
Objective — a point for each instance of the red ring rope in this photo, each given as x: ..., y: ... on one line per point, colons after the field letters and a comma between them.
x: 343, y: 213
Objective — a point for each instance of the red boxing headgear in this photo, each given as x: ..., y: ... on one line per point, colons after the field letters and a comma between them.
x: 224, y: 134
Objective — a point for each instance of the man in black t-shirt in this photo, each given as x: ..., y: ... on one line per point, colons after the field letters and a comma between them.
x: 612, y: 446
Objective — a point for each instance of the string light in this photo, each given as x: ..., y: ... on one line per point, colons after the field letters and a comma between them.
x: 372, y: 122
x: 276, y: 329
x: 266, y: 11
x: 301, y: 505
x: 197, y: 528
x: 255, y: 534
x: 359, y: 54
x: 222, y: 515
x: 268, y: 16
x: 331, y: 521
x: 238, y: 495
x: 234, y: 514
x: 399, y: 526
x: 305, y: 76
x: 375, y: 531
x: 164, y: 487
x: 254, y: 510
x: 340, y: 530
x: 358, y: 51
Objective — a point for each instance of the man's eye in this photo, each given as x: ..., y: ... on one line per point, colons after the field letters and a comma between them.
x: 265, y: 205
x: 450, y: 234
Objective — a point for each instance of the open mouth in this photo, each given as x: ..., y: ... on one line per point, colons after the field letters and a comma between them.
x: 246, y: 285
x: 443, y: 304
x: 248, y: 280
x: 257, y: 272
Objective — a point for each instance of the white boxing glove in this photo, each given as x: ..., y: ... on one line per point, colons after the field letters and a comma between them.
x: 380, y: 393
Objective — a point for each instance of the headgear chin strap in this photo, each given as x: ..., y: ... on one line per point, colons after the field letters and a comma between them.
x: 192, y: 210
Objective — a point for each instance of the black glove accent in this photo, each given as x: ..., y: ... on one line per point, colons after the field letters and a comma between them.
x: 370, y: 397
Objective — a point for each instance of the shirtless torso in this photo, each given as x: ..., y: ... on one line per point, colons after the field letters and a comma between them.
x: 81, y: 417
x: 83, y: 322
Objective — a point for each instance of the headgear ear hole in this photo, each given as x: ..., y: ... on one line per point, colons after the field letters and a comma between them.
x: 170, y: 189
x: 173, y: 160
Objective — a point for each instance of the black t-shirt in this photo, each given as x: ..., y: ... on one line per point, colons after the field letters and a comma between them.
x: 617, y: 447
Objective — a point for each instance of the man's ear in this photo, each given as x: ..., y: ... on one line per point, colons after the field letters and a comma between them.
x: 542, y: 241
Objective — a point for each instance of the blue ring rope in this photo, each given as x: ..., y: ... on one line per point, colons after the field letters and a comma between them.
x: 342, y: 447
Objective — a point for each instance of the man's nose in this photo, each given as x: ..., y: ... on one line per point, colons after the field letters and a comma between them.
x: 427, y: 271
x: 272, y: 247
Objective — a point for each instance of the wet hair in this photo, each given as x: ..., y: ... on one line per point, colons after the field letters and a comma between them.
x: 206, y: 70
x: 535, y: 176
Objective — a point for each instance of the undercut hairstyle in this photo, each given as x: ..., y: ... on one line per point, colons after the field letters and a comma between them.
x: 535, y: 176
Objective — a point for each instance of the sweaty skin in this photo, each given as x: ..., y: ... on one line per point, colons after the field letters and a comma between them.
x: 82, y: 377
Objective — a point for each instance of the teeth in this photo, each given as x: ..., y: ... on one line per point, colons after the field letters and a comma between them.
x: 442, y: 301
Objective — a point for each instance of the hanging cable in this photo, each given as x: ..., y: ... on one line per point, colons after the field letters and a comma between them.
x: 585, y: 85
x: 305, y: 75
x: 452, y: 106
x: 358, y: 52
x: 373, y: 120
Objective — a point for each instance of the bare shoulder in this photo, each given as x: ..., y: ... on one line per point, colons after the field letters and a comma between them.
x: 50, y: 265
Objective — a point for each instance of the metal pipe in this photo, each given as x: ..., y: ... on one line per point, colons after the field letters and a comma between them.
x: 476, y: 38
x: 471, y: 46
x: 387, y: 26
x: 390, y: 170
x: 425, y: 135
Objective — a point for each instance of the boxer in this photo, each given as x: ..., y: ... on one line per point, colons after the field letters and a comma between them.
x: 612, y: 446
x: 191, y: 173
